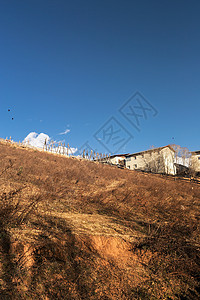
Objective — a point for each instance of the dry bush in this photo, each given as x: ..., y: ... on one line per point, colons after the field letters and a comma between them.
x: 75, y: 229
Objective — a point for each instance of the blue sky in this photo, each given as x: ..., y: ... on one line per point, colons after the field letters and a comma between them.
x: 73, y: 65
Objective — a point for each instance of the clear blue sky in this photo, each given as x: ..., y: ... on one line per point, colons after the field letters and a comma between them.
x: 74, y: 64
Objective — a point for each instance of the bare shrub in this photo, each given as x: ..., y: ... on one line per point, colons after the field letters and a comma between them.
x: 53, y: 208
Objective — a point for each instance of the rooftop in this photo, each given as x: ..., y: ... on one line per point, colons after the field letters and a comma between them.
x: 150, y: 150
x: 195, y: 152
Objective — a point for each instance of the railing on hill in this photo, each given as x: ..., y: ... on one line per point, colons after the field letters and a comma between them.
x: 63, y: 149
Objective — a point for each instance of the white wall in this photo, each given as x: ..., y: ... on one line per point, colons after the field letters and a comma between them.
x: 195, y: 162
x: 158, y: 161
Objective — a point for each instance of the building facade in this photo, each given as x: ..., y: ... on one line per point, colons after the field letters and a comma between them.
x: 117, y: 159
x: 195, y: 161
x: 158, y: 160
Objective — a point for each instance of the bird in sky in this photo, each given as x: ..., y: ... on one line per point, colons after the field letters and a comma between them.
x: 9, y: 111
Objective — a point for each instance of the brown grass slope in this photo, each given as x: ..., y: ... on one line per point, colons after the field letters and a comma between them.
x: 73, y: 229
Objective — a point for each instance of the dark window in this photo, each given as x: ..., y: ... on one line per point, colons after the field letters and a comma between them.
x: 135, y: 166
x: 199, y: 157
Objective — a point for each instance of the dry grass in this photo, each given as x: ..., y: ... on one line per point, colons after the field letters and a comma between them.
x: 75, y: 229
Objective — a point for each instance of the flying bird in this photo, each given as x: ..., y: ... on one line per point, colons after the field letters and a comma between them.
x: 8, y: 109
x: 12, y: 118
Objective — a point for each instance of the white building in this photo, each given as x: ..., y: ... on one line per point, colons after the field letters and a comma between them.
x: 195, y: 160
x: 116, y: 159
x: 157, y: 160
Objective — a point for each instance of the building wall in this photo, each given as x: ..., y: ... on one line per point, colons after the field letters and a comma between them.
x: 137, y: 161
x: 195, y: 162
x: 115, y: 160
x: 168, y: 156
x: 158, y: 161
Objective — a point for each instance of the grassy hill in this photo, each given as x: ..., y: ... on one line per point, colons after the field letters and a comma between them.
x: 75, y: 229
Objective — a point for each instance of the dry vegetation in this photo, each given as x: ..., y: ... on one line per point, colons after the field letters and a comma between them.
x: 75, y: 229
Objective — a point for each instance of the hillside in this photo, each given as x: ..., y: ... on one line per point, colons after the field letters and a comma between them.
x: 75, y: 229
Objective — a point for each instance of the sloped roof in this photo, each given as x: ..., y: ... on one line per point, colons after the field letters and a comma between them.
x: 195, y: 152
x: 151, y: 150
x: 119, y: 155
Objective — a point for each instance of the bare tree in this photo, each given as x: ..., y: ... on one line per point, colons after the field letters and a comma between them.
x: 182, y: 159
x: 155, y: 165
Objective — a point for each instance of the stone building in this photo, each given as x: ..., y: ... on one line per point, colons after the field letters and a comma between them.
x: 157, y: 160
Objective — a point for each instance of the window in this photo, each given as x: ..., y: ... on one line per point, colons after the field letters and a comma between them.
x: 135, y: 157
x: 135, y: 166
x: 199, y: 157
